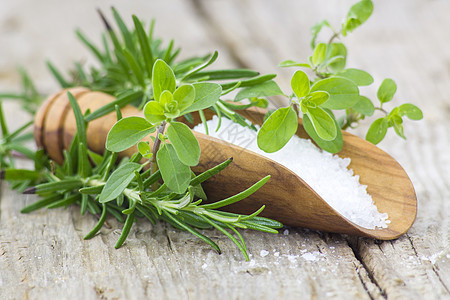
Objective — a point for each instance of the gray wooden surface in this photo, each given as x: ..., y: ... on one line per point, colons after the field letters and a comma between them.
x: 43, y: 255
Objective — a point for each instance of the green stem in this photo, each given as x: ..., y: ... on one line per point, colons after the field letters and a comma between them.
x: 156, y: 145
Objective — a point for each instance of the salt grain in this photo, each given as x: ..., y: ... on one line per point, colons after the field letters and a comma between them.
x: 264, y: 253
x: 327, y: 174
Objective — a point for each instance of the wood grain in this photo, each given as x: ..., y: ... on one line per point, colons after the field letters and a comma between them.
x: 43, y: 257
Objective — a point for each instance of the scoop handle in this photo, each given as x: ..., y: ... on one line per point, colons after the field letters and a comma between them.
x: 55, y: 125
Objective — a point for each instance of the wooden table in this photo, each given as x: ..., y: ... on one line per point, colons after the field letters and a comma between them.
x: 43, y: 255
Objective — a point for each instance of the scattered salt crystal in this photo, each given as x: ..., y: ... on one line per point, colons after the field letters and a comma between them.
x: 264, y: 253
x: 286, y: 232
x: 326, y: 173
x: 292, y: 258
x: 311, y: 256
x: 276, y: 254
x: 204, y: 266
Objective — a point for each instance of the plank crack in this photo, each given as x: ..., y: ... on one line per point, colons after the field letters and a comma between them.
x: 440, y: 279
x: 368, y: 271
x: 218, y: 36
x: 362, y: 282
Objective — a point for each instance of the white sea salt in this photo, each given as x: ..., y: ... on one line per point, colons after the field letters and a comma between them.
x: 327, y: 174
x: 314, y: 256
x: 264, y: 253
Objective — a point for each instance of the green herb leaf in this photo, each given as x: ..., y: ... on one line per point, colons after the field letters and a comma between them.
x: 237, y: 197
x: 144, y: 42
x: 397, y: 122
x: 411, y: 111
x: 206, y: 95
x: 122, y: 100
x: 333, y: 146
x: 127, y: 132
x: 250, y: 82
x: 291, y: 63
x: 318, y: 98
x: 118, y: 181
x: 19, y: 174
x: 175, y: 174
x: 277, y: 130
x: 145, y: 150
x: 323, y: 123
x: 154, y: 112
x: 315, y: 31
x: 184, y: 142
x: 225, y: 74
x: 265, y: 89
x: 358, y: 14
x: 360, y: 77
x: 185, y: 96
x: 336, y: 57
x: 79, y: 119
x: 364, y: 106
x: 163, y: 79
x: 344, y: 93
x: 387, y: 90
x: 300, y: 84
x: 377, y: 131
x: 318, y: 56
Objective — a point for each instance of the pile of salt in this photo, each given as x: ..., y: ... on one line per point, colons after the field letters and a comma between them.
x: 327, y: 174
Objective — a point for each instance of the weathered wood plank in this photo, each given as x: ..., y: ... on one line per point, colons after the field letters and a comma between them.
x: 393, y: 43
x: 43, y: 255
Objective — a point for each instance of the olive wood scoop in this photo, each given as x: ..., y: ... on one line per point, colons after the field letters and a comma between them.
x: 287, y: 197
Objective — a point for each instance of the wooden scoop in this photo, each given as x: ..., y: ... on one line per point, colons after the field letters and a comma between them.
x: 287, y: 197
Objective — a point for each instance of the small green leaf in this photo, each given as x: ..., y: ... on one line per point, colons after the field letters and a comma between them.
x: 323, y: 123
x: 344, y: 93
x: 318, y: 56
x: 360, y: 77
x: 206, y: 95
x: 184, y: 142
x: 145, y: 150
x: 411, y: 111
x: 377, y: 131
x: 277, y: 130
x: 319, y: 97
x: 127, y: 132
x: 316, y: 29
x: 175, y: 174
x: 358, y: 14
x: 265, y: 89
x: 364, y: 106
x: 154, y: 112
x: 185, y: 96
x: 333, y: 146
x: 118, y: 181
x: 300, y: 84
x: 336, y: 57
x: 163, y: 79
x: 166, y: 98
x: 387, y: 90
x: 397, y: 122
x: 291, y: 63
